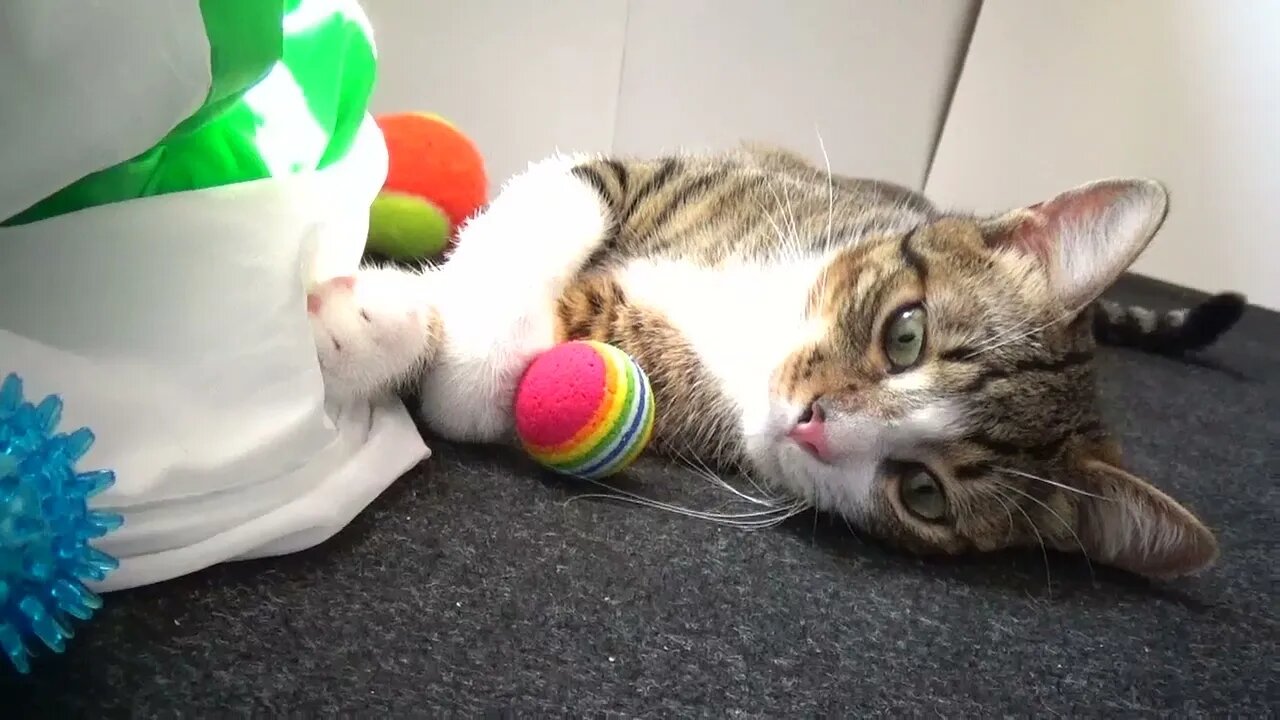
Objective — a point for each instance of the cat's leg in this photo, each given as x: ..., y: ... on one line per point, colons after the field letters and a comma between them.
x: 496, y: 295
x: 375, y: 332
x: 465, y: 331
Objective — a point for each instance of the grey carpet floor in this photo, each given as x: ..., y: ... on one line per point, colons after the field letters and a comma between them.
x: 473, y: 585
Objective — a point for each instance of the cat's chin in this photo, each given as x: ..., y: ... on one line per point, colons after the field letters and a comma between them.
x: 843, y: 488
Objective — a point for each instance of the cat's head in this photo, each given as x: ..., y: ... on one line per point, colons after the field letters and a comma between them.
x: 946, y: 399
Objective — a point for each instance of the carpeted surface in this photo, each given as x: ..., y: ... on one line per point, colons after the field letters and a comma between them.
x: 472, y: 585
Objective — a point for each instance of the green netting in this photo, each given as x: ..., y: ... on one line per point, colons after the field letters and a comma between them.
x: 291, y: 81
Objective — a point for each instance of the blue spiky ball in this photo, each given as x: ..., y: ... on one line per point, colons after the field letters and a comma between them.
x: 46, y: 526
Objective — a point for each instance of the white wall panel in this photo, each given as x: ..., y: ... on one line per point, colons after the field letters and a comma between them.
x: 521, y: 77
x: 872, y: 76
x: 1187, y: 91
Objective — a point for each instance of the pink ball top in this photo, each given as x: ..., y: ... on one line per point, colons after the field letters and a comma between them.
x: 560, y: 393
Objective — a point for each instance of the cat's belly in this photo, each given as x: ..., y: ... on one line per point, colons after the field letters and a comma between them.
x: 741, y: 320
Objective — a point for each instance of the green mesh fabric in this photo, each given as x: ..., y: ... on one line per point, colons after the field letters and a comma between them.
x: 290, y: 86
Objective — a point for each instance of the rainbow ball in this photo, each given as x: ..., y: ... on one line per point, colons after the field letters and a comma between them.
x: 584, y: 409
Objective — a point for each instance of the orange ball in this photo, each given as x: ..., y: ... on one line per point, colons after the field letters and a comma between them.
x: 431, y: 159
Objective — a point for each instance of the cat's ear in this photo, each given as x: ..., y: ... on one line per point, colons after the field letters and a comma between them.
x: 1086, y: 236
x: 1128, y: 523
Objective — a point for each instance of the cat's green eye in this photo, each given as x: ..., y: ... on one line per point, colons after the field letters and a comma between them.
x: 922, y: 495
x: 904, y: 337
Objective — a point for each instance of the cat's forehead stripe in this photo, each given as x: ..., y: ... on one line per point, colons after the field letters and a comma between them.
x: 912, y: 257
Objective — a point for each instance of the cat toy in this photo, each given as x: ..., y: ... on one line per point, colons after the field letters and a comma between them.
x: 584, y: 409
x: 46, y: 526
x: 435, y: 181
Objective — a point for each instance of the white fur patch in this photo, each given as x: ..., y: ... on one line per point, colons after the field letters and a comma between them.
x: 373, y: 335
x: 742, y: 320
x: 496, y: 296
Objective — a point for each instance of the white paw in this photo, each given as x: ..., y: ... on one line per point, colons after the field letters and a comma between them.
x: 374, y: 332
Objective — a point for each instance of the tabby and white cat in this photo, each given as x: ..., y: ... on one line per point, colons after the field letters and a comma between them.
x: 927, y: 375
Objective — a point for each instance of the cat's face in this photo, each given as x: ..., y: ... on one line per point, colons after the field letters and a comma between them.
x: 946, y: 402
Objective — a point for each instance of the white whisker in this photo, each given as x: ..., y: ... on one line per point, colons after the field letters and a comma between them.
x: 1044, y: 552
x: 999, y: 337
x: 1061, y: 318
x: 755, y: 517
x: 831, y: 190
x: 1047, y: 481
x: 1061, y: 520
x: 777, y: 230
x: 791, y: 218
x: 752, y: 520
x: 750, y: 480
x: 849, y: 525
x: 701, y: 470
x: 995, y: 495
x: 727, y: 521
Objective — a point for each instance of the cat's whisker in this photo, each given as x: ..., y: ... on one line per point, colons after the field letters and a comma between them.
x: 751, y: 480
x: 725, y: 520
x: 1061, y: 520
x: 852, y: 531
x: 772, y: 509
x: 700, y: 469
x: 752, y: 519
x: 990, y: 347
x: 1061, y: 318
x: 831, y: 188
x: 791, y: 220
x: 763, y: 499
x: 998, y: 337
x: 995, y: 494
x: 1011, y: 335
x: 1044, y: 551
x: 777, y: 229
x: 1047, y: 481
x: 787, y: 238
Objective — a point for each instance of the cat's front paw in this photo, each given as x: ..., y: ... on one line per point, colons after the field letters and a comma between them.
x: 373, y: 332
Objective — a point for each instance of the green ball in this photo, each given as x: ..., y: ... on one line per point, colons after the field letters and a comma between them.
x: 406, y: 227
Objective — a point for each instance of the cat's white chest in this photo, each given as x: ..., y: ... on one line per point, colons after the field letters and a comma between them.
x: 742, y: 320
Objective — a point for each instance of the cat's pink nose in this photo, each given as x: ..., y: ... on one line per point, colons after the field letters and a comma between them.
x: 810, y: 432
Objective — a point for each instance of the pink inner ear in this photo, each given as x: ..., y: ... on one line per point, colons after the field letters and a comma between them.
x: 1076, y: 205
x: 1032, y: 235
x: 1039, y: 227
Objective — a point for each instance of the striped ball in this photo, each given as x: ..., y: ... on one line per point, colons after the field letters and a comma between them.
x: 584, y: 409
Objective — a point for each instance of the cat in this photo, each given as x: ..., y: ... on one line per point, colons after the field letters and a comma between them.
x: 927, y: 375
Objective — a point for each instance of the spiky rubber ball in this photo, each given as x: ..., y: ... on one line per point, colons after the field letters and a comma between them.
x: 584, y: 409
x: 46, y: 526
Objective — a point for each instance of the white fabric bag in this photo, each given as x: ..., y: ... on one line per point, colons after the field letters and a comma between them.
x: 175, y: 327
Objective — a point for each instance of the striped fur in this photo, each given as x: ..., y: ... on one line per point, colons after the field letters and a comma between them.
x: 753, y: 287
x: 764, y: 205
x: 1167, y: 332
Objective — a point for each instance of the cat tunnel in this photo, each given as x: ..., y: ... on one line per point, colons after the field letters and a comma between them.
x: 175, y: 174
